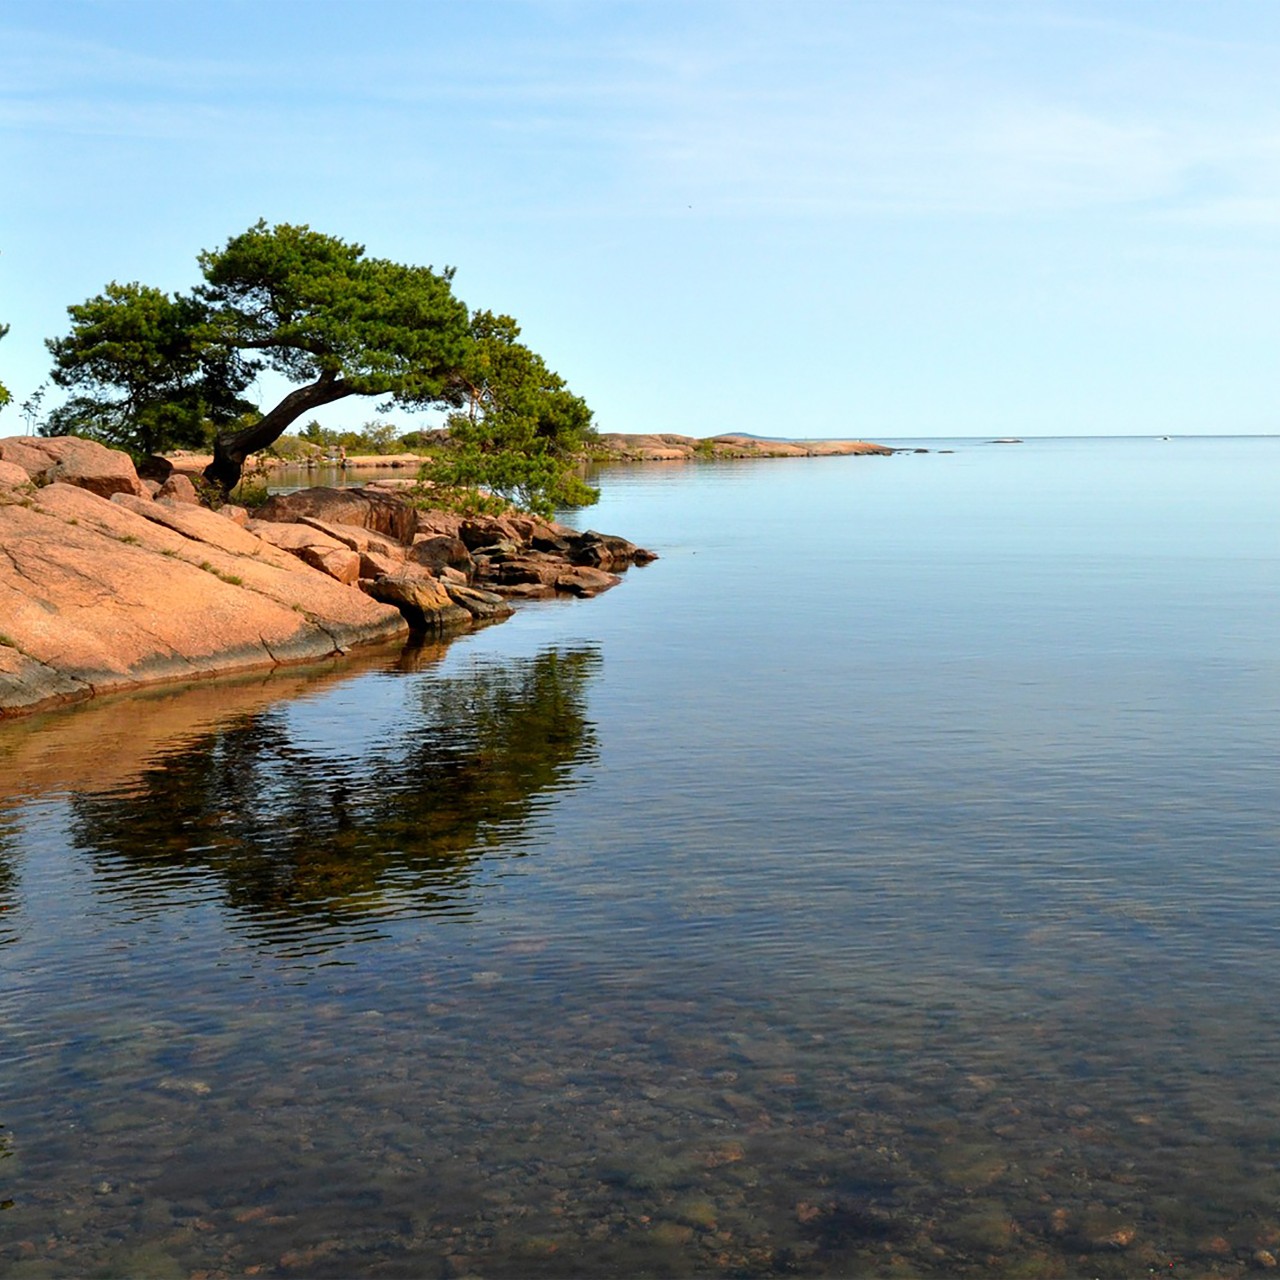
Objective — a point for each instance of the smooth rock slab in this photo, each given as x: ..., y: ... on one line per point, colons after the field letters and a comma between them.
x: 98, y: 594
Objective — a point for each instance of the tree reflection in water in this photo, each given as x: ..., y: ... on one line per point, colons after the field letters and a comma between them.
x: 306, y: 844
x: 8, y: 880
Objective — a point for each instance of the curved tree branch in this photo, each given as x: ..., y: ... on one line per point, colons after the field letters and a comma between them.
x: 231, y: 450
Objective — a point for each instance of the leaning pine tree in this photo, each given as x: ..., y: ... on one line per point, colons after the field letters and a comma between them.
x: 315, y: 309
x: 150, y: 371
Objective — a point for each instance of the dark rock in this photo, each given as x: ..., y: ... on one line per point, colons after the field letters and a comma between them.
x: 582, y: 580
x: 440, y: 551
x: 377, y: 510
x: 154, y: 467
x: 423, y: 601
x: 553, y: 543
x: 607, y: 551
x: 479, y: 604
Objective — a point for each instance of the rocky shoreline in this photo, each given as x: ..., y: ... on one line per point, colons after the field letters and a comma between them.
x: 109, y: 581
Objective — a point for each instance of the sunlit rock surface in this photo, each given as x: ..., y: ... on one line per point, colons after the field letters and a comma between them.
x: 99, y: 594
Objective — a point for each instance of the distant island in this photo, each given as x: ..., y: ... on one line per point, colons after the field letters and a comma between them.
x: 611, y: 447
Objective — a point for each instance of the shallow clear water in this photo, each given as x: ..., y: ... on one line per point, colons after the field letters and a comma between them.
x: 881, y: 883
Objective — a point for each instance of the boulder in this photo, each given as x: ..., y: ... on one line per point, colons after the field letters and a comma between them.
x: 292, y: 537
x: 155, y: 467
x: 605, y: 550
x: 340, y: 563
x: 553, y: 542
x: 528, y: 590
x: 13, y: 476
x: 179, y: 488
x: 434, y: 523
x: 440, y: 552
x: 374, y: 564
x: 354, y: 537
x: 513, y: 570
x: 582, y: 580
x: 485, y: 531
x: 71, y: 460
x: 484, y: 605
x: 376, y: 510
x: 422, y: 599
x: 330, y: 551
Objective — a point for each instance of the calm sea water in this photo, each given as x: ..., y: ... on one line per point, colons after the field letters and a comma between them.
x: 884, y: 882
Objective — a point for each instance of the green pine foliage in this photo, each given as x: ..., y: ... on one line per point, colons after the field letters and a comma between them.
x: 145, y: 373
x: 520, y: 431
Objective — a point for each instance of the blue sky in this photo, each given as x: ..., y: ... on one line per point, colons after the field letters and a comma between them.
x: 864, y: 218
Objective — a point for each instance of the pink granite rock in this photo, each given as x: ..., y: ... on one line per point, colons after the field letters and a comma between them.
x: 71, y: 460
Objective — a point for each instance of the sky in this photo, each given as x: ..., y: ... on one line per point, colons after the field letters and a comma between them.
x: 875, y: 219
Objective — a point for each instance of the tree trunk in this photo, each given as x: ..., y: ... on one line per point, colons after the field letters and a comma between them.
x: 231, y: 450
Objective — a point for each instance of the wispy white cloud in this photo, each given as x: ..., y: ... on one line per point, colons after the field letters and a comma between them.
x: 832, y: 112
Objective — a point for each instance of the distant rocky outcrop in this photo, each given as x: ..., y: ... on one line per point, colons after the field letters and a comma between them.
x: 104, y: 586
x: 673, y: 448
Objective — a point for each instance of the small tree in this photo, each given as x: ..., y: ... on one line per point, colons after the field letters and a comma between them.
x: 379, y: 437
x: 4, y: 391
x: 30, y: 408
x: 520, y: 430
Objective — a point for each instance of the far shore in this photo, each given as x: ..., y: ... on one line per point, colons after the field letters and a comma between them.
x: 609, y: 447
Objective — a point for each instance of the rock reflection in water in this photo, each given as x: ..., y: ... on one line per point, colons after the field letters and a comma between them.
x: 306, y: 842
